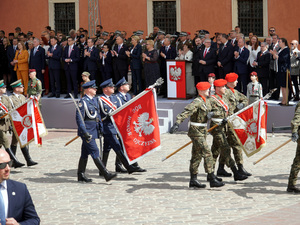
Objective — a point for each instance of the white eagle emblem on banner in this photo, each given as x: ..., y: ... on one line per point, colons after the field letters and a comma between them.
x: 175, y: 73
x: 144, y: 124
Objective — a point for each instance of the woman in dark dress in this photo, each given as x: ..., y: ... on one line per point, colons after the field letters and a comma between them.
x: 283, y: 58
x: 4, y: 69
x: 151, y: 67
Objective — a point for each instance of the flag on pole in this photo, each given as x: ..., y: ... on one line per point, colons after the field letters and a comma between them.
x: 137, y: 125
x: 28, y: 124
x: 250, y: 126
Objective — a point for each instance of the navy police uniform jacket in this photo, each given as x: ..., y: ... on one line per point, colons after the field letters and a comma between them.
x: 123, y: 98
x: 92, y: 120
x: 108, y: 127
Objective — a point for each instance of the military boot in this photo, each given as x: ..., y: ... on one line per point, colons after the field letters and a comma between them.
x: 81, y: 171
x: 222, y: 172
x: 104, y: 160
x: 242, y: 170
x: 27, y: 157
x: 293, y: 188
x: 139, y: 168
x: 218, y: 178
x: 119, y: 167
x: 13, y: 149
x: 16, y: 162
x: 237, y: 175
x: 213, y: 181
x: 130, y: 169
x: 195, y: 183
x: 107, y: 175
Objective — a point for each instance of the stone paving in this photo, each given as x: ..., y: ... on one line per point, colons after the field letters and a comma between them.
x: 161, y: 195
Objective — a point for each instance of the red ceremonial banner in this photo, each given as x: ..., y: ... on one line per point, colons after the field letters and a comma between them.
x: 138, y: 126
x: 250, y: 126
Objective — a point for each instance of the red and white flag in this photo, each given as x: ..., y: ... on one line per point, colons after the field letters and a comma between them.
x: 28, y: 124
x: 138, y: 126
x: 250, y: 126
x: 176, y: 79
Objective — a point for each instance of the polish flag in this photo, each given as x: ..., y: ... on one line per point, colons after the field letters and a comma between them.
x: 176, y: 79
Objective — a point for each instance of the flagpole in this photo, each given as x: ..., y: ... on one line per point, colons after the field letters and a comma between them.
x: 271, y: 152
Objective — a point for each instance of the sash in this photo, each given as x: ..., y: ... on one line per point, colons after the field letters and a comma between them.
x: 108, y: 102
x: 3, y: 107
x: 221, y: 102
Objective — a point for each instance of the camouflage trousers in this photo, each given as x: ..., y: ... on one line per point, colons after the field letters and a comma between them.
x: 236, y: 148
x: 220, y: 146
x: 3, y: 139
x: 200, y: 150
x: 295, y: 167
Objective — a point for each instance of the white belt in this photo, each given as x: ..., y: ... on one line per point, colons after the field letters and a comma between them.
x: 217, y: 120
x: 198, y: 124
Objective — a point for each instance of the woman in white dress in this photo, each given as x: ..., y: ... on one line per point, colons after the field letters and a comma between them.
x: 253, y: 48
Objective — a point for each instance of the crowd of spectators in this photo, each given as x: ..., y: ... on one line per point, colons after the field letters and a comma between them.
x: 60, y: 60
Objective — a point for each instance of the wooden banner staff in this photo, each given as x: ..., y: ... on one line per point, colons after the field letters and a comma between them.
x: 271, y: 152
x: 267, y: 96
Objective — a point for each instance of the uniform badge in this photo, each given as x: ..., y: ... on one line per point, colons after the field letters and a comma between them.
x: 79, y: 104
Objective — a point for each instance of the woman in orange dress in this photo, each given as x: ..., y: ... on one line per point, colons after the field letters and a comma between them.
x: 21, y: 65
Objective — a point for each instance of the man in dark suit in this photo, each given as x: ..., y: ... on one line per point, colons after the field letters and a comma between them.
x: 71, y: 58
x: 195, y: 67
x: 225, y: 61
x: 207, y: 59
x: 91, y: 54
x: 273, y: 83
x: 120, y: 61
x: 54, y: 54
x: 11, y: 52
x: 106, y: 63
x: 16, y: 205
x: 240, y: 65
x: 166, y: 52
x: 37, y: 60
x: 262, y: 65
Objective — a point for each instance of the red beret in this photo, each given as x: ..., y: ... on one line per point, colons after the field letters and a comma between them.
x: 253, y: 73
x: 203, y: 86
x: 32, y: 70
x: 211, y: 75
x: 220, y: 82
x: 231, y: 77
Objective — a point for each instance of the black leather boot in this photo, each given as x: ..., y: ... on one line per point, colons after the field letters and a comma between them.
x: 195, y: 183
x: 27, y: 157
x: 130, y: 169
x: 81, y: 171
x: 104, y: 160
x: 222, y: 172
x: 293, y: 188
x: 213, y: 181
x: 237, y: 175
x: 139, y: 168
x: 13, y: 149
x: 107, y: 175
x: 16, y: 162
x: 119, y: 167
x: 242, y: 170
x: 218, y: 178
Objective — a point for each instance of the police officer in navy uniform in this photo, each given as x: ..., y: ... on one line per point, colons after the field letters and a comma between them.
x: 122, y: 93
x: 109, y: 102
x: 89, y: 127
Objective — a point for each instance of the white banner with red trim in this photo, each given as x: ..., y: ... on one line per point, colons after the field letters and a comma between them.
x: 138, y: 126
x: 250, y: 126
x: 176, y: 79
x: 28, y: 124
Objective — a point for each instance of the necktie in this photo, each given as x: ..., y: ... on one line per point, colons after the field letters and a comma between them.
x: 70, y: 50
x: 34, y: 51
x: 2, y: 208
x: 166, y: 49
x: 205, y: 52
x: 253, y: 89
x: 240, y: 50
x: 90, y: 49
x: 119, y: 47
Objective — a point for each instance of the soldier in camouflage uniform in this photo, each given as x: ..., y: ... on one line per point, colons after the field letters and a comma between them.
x: 5, y: 124
x: 237, y: 102
x: 219, y: 111
x: 198, y: 111
x: 34, y: 86
x: 17, y: 99
x: 296, y: 164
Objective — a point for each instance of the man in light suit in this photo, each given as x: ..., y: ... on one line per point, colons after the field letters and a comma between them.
x: 16, y: 205
x: 37, y: 60
x: 71, y: 57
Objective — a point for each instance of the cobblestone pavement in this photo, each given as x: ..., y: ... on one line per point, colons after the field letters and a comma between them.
x: 161, y: 195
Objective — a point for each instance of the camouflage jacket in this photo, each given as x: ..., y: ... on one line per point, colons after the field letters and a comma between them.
x: 197, y: 111
x: 296, y: 120
x: 235, y: 98
x: 5, y: 122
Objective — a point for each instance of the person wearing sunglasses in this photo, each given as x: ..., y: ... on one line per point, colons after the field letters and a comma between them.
x: 16, y: 205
